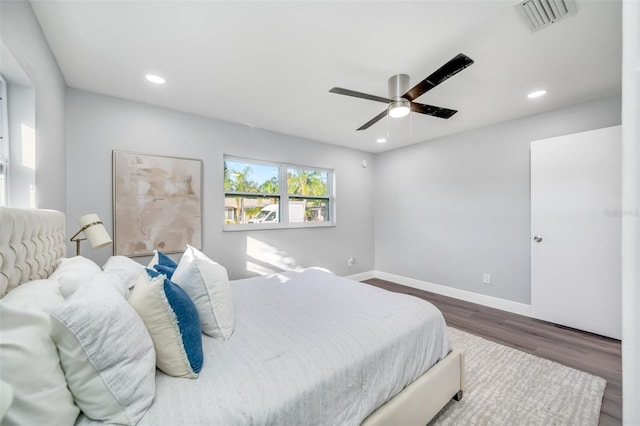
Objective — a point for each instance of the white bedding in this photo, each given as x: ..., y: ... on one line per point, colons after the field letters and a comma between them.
x: 308, y: 348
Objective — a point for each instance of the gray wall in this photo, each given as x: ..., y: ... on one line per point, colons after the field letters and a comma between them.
x: 98, y: 124
x: 21, y: 33
x: 450, y: 209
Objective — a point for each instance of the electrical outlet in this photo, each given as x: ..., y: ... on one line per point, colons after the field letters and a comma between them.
x: 486, y: 278
x: 350, y: 261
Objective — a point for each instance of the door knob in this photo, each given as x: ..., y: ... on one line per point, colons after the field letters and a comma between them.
x: 537, y: 239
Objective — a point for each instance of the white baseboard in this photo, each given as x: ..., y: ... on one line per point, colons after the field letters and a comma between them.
x: 468, y: 296
x: 362, y: 276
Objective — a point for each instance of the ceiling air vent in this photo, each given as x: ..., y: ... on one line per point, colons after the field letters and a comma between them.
x: 542, y: 13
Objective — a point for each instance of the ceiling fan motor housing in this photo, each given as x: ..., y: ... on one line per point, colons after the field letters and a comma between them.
x: 398, y: 86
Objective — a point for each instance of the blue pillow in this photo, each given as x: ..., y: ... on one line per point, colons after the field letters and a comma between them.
x: 164, y: 264
x: 165, y: 270
x: 172, y: 321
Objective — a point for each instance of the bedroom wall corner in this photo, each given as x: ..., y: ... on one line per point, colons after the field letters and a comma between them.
x: 453, y: 208
x: 22, y: 35
x: 99, y: 124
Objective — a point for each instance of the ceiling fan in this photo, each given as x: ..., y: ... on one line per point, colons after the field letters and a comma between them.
x: 399, y: 105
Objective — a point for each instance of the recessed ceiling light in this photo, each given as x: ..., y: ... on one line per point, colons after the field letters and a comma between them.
x: 381, y: 140
x: 155, y: 79
x: 536, y: 94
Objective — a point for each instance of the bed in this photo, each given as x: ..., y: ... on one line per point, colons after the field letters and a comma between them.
x: 307, y: 348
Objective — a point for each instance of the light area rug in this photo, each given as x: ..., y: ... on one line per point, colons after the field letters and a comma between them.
x: 505, y: 386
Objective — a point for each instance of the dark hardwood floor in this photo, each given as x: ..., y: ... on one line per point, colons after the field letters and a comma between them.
x: 594, y: 354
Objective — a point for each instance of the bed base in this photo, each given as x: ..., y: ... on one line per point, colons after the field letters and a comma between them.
x: 425, y: 397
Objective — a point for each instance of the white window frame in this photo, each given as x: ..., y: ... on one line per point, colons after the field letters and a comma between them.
x: 4, y: 141
x: 284, y: 196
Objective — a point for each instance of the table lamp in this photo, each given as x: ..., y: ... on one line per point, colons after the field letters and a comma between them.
x: 94, y: 231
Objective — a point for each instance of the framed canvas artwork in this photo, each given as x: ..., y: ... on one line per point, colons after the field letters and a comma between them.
x: 157, y: 203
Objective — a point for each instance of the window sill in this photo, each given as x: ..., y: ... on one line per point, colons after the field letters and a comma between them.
x: 268, y: 226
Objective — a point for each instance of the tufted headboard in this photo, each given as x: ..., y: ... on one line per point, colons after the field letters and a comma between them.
x: 31, y: 242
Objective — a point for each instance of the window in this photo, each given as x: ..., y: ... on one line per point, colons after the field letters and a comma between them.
x: 272, y: 195
x: 251, y: 191
x: 308, y: 190
x: 4, y: 143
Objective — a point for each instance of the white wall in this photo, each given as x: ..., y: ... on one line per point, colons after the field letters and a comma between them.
x: 99, y: 124
x: 631, y: 216
x: 450, y: 209
x: 21, y: 33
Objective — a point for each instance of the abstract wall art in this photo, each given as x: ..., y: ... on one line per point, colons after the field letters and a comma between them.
x: 157, y: 203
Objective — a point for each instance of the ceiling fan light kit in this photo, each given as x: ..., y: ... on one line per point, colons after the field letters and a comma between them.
x: 399, y: 108
x: 400, y: 101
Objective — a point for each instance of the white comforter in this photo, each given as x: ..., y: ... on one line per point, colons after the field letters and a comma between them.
x: 308, y: 348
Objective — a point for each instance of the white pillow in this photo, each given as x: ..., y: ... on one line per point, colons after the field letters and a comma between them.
x: 207, y: 284
x: 36, y: 294
x: 127, y: 269
x: 173, y: 323
x: 106, y: 353
x: 74, y: 272
x: 154, y: 260
x: 29, y: 360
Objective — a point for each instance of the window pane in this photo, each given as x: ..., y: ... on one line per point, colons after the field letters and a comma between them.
x: 3, y: 117
x: 308, y: 182
x: 242, y: 209
x: 240, y: 176
x: 3, y: 144
x: 308, y: 210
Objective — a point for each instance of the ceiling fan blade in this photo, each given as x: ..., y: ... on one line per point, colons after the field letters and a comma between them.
x: 347, y: 92
x: 451, y: 68
x: 373, y: 121
x: 432, y: 110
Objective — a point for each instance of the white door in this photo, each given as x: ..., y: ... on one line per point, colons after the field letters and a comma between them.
x: 575, y: 229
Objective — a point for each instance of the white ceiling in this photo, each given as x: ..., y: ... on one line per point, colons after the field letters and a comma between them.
x: 271, y: 64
